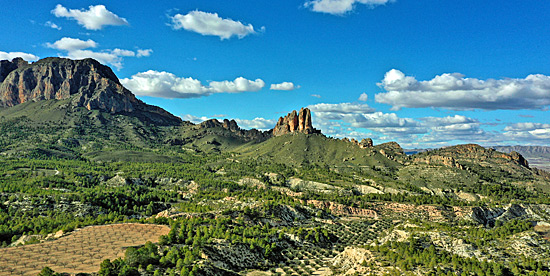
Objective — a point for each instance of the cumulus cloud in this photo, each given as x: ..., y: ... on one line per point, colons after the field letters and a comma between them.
x: 72, y: 44
x: 144, y: 52
x: 52, y: 25
x: 360, y: 121
x: 194, y: 119
x: 526, y: 126
x: 363, y: 97
x: 238, y: 85
x: 78, y: 49
x: 528, y: 133
x: 341, y: 108
x: 341, y: 7
x: 454, y: 91
x: 206, y: 23
x: 12, y: 55
x: 446, y: 121
x: 257, y: 123
x: 167, y: 85
x: 288, y: 86
x: 95, y: 18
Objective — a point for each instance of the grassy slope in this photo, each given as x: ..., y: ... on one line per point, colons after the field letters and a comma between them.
x: 300, y: 149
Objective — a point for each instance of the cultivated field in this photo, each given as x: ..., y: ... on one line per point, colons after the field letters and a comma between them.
x: 81, y: 251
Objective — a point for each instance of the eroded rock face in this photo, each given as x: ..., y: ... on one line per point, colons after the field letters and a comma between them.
x: 96, y: 85
x: 295, y: 123
x: 439, y: 160
x: 487, y: 216
x: 7, y: 66
x: 518, y: 158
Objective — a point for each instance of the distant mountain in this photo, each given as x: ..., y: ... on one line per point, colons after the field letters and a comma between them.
x: 526, y: 150
x: 538, y: 156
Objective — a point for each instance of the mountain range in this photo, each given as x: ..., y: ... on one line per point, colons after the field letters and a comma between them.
x: 74, y: 139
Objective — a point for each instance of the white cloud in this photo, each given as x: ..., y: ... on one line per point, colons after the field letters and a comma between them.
x: 78, y: 49
x: 167, y: 85
x: 72, y: 44
x: 316, y: 96
x: 211, y: 24
x: 449, y: 120
x: 528, y: 133
x: 284, y: 86
x: 526, y: 126
x: 257, y: 123
x: 360, y: 121
x: 238, y: 85
x: 363, y: 97
x: 144, y: 52
x: 52, y: 25
x: 12, y: 55
x: 341, y: 108
x: 92, y: 19
x: 194, y: 119
x: 340, y: 7
x: 454, y: 91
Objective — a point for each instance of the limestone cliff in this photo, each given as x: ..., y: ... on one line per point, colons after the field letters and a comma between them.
x: 86, y: 82
x: 295, y: 123
x: 7, y: 66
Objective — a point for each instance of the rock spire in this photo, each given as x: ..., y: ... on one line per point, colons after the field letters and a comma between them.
x: 295, y: 122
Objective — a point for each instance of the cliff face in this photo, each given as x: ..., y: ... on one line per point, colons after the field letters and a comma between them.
x: 7, y: 66
x: 295, y: 122
x: 87, y: 82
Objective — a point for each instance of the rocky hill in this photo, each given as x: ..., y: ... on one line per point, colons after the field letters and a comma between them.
x: 87, y: 83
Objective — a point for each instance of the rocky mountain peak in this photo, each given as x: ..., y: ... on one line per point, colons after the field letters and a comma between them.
x: 295, y: 122
x: 86, y: 82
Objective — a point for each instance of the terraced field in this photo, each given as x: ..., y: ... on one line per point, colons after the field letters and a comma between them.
x: 81, y: 251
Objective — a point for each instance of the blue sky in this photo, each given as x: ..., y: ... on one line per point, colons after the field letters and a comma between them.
x: 422, y: 73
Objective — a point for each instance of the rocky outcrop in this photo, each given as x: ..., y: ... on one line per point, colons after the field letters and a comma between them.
x: 86, y: 82
x: 340, y: 209
x: 7, y: 66
x: 351, y: 262
x: 365, y: 143
x: 295, y: 123
x: 231, y: 125
x: 232, y: 129
x: 439, y: 160
x: 487, y: 216
x: 391, y: 150
x: 480, y: 153
x: 516, y: 157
